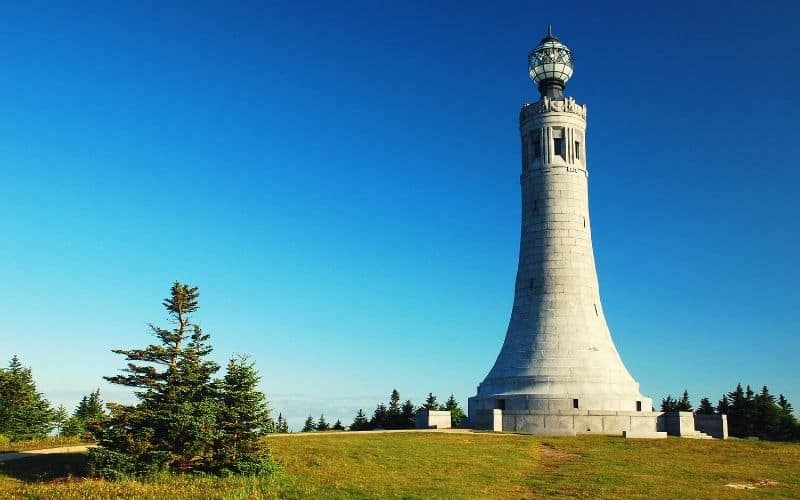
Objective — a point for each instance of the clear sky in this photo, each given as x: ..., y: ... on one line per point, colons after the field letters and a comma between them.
x: 341, y: 180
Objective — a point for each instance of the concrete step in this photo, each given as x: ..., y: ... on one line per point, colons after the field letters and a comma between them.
x: 643, y: 435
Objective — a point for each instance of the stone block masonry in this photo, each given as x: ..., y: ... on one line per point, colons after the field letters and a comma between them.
x: 558, y: 370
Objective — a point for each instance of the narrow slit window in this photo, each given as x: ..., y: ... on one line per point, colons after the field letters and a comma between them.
x: 595, y: 310
x: 558, y: 142
x: 558, y: 147
x: 536, y: 150
x: 575, y: 404
x: 638, y: 406
x: 577, y: 150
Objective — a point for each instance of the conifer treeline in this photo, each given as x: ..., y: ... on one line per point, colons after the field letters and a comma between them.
x: 749, y: 414
x: 392, y: 416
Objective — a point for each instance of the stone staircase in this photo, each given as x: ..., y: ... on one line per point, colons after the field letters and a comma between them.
x: 695, y: 435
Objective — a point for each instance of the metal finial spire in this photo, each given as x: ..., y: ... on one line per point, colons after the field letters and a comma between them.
x: 550, y: 30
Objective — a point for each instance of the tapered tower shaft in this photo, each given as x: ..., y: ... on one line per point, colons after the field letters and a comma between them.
x: 558, y: 354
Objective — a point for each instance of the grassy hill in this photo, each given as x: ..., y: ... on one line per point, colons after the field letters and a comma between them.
x: 439, y: 465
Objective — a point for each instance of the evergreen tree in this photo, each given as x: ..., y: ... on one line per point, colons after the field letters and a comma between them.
x: 705, y: 407
x: 24, y: 412
x: 338, y: 425
x: 684, y: 404
x: 60, y: 417
x: 90, y: 408
x: 407, y: 413
x: 379, y: 417
x: 784, y: 404
x: 393, y: 412
x: 456, y: 413
x: 765, y: 415
x: 736, y: 412
x: 787, y: 425
x: 244, y: 418
x: 723, y: 405
x: 430, y: 402
x: 309, y: 425
x: 322, y: 424
x: 360, y: 422
x: 73, y: 426
x: 282, y: 426
x: 669, y: 404
x: 175, y: 423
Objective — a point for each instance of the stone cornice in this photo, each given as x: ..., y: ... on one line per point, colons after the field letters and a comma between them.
x: 547, y: 105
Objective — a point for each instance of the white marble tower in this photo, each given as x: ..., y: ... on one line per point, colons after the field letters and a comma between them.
x: 558, y: 366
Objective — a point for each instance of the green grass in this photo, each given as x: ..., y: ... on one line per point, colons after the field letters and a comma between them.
x: 433, y: 465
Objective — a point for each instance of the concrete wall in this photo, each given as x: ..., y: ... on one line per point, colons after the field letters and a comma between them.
x: 565, y: 422
x: 432, y: 419
x: 713, y: 425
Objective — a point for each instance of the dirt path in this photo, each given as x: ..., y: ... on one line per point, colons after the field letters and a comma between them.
x: 7, y: 457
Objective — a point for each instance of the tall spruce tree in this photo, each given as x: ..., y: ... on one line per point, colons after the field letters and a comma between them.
x: 309, y: 425
x: 244, y: 418
x: 723, y: 405
x: 456, y: 413
x: 24, y: 412
x: 430, y: 402
x: 360, y: 422
x: 90, y: 408
x: 669, y: 404
x: 379, y: 417
x: 407, y: 413
x: 705, y: 407
x: 684, y: 404
x: 175, y: 423
x: 322, y: 424
x: 393, y: 420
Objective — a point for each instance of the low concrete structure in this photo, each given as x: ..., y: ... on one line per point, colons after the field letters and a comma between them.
x: 715, y: 425
x: 565, y: 422
x: 644, y: 435
x: 432, y: 419
x: 630, y: 424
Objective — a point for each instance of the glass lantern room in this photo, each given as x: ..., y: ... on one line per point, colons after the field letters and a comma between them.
x: 550, y: 65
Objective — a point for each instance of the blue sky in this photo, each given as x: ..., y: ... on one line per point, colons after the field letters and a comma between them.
x: 341, y: 182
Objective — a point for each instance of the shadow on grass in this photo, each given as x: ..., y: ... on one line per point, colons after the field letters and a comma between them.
x: 54, y: 467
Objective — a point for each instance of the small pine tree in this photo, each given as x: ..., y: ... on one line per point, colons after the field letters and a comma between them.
x: 244, y: 418
x: 338, y: 425
x: 90, y: 409
x: 360, y: 422
x: 379, y: 417
x: 282, y: 426
x: 322, y: 424
x: 393, y: 412
x: 456, y: 413
x: 24, y: 412
x: 705, y: 407
x: 407, y: 412
x: 723, y: 405
x: 60, y: 417
x: 430, y: 402
x: 669, y: 404
x: 684, y: 404
x: 309, y: 425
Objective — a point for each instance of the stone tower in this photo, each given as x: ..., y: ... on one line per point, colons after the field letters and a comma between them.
x: 558, y: 370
